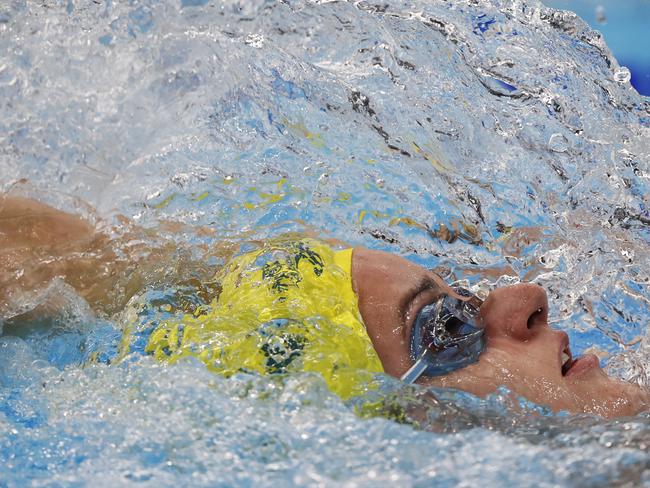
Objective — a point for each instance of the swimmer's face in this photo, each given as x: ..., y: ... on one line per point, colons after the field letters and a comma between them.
x: 523, y: 353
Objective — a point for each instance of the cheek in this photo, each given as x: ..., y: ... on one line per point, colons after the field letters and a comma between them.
x: 525, y: 358
x: 479, y: 378
x: 524, y: 370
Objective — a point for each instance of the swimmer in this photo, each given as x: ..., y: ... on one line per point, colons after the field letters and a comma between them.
x: 391, y: 314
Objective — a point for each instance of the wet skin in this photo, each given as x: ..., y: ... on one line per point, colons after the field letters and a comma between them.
x: 523, y: 352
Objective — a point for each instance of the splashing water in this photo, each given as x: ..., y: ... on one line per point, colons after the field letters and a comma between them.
x: 496, y: 141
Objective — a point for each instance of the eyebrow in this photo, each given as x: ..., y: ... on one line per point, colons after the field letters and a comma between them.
x: 424, y: 284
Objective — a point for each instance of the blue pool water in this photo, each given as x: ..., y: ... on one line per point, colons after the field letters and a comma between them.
x: 626, y: 29
x: 495, y: 141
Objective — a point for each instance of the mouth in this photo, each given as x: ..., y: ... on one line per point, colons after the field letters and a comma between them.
x: 571, y: 366
x: 567, y: 360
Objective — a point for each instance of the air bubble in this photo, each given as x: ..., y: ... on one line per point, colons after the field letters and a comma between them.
x: 6, y: 78
x: 558, y: 143
x: 601, y: 16
x: 622, y: 75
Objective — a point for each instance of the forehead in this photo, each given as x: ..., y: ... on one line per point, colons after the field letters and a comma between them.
x: 389, y: 267
x: 388, y: 261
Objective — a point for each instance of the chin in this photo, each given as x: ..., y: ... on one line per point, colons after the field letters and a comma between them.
x: 626, y: 399
x: 598, y: 394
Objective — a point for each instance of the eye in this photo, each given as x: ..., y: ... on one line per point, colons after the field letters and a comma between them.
x: 453, y: 325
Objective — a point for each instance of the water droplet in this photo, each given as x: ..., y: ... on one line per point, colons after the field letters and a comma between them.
x: 558, y: 143
x: 622, y: 75
x: 153, y: 195
x: 601, y: 17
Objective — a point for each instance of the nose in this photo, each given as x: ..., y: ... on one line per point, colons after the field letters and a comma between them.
x: 515, y: 311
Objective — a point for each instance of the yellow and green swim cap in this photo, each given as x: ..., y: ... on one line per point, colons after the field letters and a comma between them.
x: 284, y: 308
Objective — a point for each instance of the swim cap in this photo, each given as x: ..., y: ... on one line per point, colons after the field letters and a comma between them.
x: 286, y: 307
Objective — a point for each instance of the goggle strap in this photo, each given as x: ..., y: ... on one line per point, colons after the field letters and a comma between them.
x: 418, y: 368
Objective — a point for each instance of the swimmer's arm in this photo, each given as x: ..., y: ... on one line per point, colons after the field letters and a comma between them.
x: 39, y: 244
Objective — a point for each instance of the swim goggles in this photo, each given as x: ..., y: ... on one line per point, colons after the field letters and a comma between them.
x: 447, y: 335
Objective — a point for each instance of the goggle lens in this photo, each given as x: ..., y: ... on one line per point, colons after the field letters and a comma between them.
x: 447, y: 335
